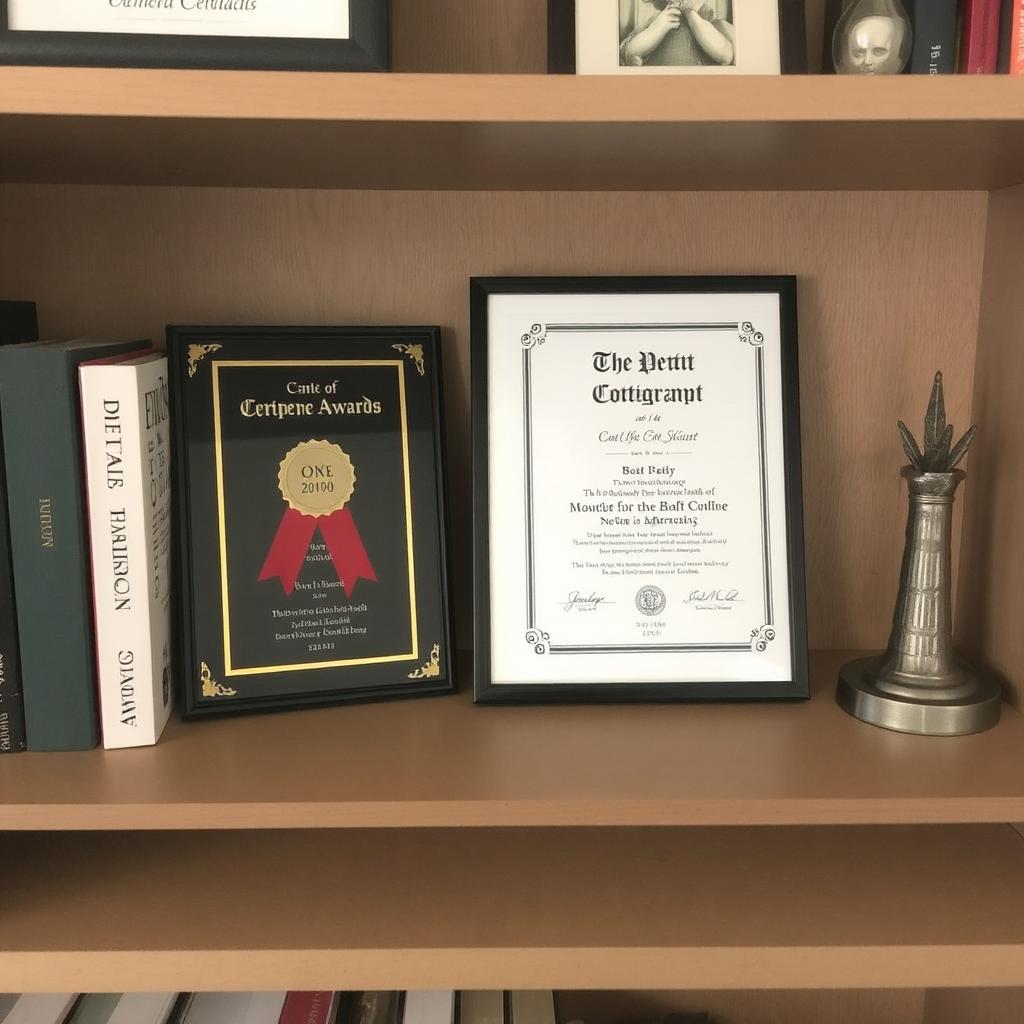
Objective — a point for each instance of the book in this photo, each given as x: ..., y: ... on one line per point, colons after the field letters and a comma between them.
x: 18, y: 324
x: 1011, y: 38
x: 429, y: 1007
x: 979, y: 42
x: 481, y: 1007
x: 374, y: 1008
x: 144, y: 1008
x: 49, y: 1008
x: 308, y: 1008
x: 532, y: 1007
x: 95, y: 1008
x: 236, y: 1008
x: 935, y: 25
x: 40, y: 411
x: 127, y: 470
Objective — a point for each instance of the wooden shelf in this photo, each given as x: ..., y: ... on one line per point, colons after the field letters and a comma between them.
x: 521, y: 908
x: 444, y: 762
x: 443, y: 131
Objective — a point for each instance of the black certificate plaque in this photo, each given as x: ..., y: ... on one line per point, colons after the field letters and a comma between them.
x: 310, y: 516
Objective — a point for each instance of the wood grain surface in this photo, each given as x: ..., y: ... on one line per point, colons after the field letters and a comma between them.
x: 764, y: 908
x: 991, y: 584
x: 445, y: 763
x: 888, y: 288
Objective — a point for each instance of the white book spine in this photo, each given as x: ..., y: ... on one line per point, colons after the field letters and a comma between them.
x: 124, y: 417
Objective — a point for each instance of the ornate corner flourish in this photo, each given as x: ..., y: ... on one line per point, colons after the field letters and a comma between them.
x: 415, y: 353
x: 211, y: 688
x: 761, y: 638
x: 432, y: 669
x: 749, y: 335
x: 537, y: 336
x: 538, y: 640
x: 196, y: 354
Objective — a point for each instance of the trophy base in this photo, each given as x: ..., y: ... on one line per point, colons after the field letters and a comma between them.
x: 858, y: 695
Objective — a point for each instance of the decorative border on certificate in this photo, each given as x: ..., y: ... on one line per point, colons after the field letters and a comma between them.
x: 548, y: 514
x: 538, y: 638
x: 217, y: 367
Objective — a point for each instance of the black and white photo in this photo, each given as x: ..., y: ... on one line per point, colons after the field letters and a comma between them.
x: 638, y: 523
x: 676, y: 33
x: 666, y: 37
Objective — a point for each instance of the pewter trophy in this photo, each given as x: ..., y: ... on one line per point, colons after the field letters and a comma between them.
x: 919, y: 685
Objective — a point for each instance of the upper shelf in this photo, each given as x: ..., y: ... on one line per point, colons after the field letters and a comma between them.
x: 444, y: 762
x: 267, y: 129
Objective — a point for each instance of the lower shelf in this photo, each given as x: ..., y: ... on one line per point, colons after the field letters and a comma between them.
x: 722, y: 908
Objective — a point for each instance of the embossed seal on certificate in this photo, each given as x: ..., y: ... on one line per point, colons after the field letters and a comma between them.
x: 651, y: 600
x: 316, y: 478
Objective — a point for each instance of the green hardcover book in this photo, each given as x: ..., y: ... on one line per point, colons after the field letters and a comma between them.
x: 95, y: 1008
x: 45, y: 482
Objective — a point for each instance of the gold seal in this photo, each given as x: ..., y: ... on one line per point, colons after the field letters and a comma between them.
x: 316, y: 478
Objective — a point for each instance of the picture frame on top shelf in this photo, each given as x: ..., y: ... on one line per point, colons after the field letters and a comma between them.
x: 264, y: 35
x: 677, y: 37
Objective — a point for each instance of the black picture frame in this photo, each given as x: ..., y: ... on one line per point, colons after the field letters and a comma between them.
x: 562, y: 37
x: 192, y: 350
x: 486, y: 692
x: 368, y: 47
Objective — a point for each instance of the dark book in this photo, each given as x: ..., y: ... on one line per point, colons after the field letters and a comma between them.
x: 935, y: 25
x: 42, y: 434
x: 17, y: 324
x: 1011, y: 38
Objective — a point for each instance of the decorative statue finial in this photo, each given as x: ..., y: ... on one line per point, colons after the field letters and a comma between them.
x: 938, y: 436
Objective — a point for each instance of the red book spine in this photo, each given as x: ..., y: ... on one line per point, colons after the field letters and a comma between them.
x: 307, y: 1008
x: 979, y: 44
x: 1017, y: 38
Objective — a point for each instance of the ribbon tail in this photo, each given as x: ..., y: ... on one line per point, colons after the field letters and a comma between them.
x: 288, y: 552
x: 346, y: 547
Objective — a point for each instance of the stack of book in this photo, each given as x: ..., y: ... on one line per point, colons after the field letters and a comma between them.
x: 438, y: 1007
x: 84, y: 540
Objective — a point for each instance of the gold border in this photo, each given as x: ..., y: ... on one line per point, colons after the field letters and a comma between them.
x: 225, y: 603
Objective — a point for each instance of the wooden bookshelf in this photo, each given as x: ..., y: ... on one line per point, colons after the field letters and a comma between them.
x: 445, y: 763
x: 438, y: 844
x: 573, y: 908
x: 512, y: 131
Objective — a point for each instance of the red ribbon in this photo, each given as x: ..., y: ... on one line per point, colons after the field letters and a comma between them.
x: 291, y: 545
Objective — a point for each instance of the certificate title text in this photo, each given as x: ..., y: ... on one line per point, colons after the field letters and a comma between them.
x: 309, y: 398
x: 186, y: 5
x: 645, y: 363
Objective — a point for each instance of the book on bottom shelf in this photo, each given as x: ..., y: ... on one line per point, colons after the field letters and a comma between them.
x: 41, y: 1008
x: 429, y: 1007
x: 18, y: 324
x: 40, y: 409
x: 309, y: 1008
x: 534, y: 1007
x: 481, y: 1007
x: 235, y: 1008
x: 127, y: 468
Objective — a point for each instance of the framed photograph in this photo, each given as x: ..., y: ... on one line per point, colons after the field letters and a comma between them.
x: 310, y: 516
x: 677, y: 37
x: 287, y: 35
x: 637, y: 496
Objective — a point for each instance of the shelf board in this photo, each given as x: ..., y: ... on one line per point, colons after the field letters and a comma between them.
x: 521, y: 908
x: 444, y: 762
x: 434, y: 131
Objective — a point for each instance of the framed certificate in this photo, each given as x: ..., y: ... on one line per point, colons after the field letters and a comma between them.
x: 638, y: 522
x: 299, y: 35
x: 310, y: 516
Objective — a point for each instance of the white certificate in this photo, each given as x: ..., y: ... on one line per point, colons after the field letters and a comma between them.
x: 282, y: 19
x: 640, y: 494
